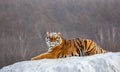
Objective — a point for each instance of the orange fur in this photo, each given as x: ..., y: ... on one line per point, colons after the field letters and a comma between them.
x: 57, y: 52
x: 68, y: 48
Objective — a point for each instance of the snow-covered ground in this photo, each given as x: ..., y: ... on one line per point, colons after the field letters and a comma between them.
x: 109, y: 62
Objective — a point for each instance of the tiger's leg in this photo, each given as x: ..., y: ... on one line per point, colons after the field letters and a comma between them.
x: 43, y: 56
x: 92, y: 48
x: 69, y: 50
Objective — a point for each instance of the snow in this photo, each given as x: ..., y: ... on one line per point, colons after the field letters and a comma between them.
x: 109, y: 62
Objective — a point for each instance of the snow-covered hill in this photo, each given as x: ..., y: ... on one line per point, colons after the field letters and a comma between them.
x: 109, y: 62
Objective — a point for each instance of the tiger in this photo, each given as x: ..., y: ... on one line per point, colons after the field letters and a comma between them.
x: 60, y: 47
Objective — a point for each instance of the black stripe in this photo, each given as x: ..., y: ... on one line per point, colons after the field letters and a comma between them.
x: 78, y: 42
x: 72, y: 53
x: 89, y: 45
x: 77, y: 46
x: 87, y: 53
x: 78, y: 51
x: 58, y: 56
x: 85, y: 44
x: 101, y: 50
x: 91, y: 49
x: 65, y: 56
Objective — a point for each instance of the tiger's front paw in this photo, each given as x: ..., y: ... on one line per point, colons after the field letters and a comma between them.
x: 65, y: 54
x: 32, y: 59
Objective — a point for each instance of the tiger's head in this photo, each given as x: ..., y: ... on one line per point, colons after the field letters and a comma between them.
x: 53, y: 39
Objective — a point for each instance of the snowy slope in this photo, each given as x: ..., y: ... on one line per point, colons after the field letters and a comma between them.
x: 109, y: 62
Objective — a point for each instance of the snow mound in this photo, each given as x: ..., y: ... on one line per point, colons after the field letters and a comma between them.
x: 109, y: 62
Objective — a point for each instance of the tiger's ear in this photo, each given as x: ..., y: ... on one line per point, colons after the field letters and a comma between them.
x: 48, y: 33
x: 59, y: 33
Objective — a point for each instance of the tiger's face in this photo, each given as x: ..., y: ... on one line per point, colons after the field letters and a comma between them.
x: 53, y: 39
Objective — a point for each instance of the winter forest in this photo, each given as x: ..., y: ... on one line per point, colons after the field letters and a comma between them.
x: 24, y: 23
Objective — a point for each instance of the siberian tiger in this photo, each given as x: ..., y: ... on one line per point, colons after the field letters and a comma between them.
x: 60, y: 47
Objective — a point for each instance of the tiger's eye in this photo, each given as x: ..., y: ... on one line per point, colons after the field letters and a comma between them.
x: 57, y: 40
x: 47, y: 37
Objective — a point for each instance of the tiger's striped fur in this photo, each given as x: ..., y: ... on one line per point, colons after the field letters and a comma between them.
x: 60, y: 47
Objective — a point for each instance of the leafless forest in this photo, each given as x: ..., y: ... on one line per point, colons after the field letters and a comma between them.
x: 24, y: 23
